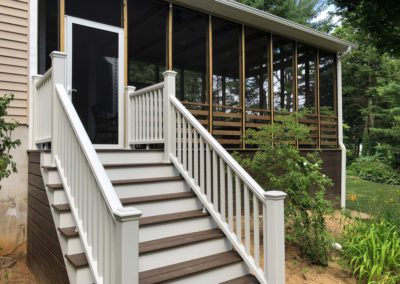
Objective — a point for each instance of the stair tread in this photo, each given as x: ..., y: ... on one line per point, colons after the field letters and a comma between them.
x: 70, y: 232
x: 61, y: 207
x: 136, y: 165
x: 179, y: 270
x: 180, y: 240
x: 49, y: 168
x: 77, y: 260
x: 128, y: 150
x: 146, y: 180
x: 247, y: 279
x: 55, y: 186
x: 156, y: 198
x: 152, y: 220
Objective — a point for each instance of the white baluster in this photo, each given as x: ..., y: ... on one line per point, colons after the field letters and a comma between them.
x: 238, y: 208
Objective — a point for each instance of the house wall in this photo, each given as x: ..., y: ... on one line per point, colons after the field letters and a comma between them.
x: 14, y: 79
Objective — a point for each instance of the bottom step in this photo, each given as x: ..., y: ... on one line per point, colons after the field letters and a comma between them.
x: 188, y: 268
x: 247, y: 279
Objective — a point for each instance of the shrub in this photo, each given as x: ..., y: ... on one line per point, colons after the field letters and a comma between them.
x: 372, y: 169
x: 372, y: 250
x: 278, y: 164
x: 7, y: 164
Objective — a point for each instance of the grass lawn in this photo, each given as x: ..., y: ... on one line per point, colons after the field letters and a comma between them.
x: 362, y: 195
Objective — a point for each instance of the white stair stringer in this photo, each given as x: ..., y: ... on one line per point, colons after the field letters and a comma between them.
x: 63, y: 219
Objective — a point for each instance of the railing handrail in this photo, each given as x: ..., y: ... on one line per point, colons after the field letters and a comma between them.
x: 43, y: 78
x: 147, y: 89
x: 113, y: 202
x: 229, y: 160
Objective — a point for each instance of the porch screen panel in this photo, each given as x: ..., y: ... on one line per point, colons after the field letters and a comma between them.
x: 327, y: 93
x: 306, y: 80
x: 257, y: 100
x: 147, y: 30
x: 103, y: 11
x: 227, y: 111
x: 189, y: 57
x: 283, y: 74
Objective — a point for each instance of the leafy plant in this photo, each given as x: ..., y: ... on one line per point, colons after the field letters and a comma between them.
x: 278, y: 164
x: 373, y: 169
x: 372, y: 249
x: 7, y: 164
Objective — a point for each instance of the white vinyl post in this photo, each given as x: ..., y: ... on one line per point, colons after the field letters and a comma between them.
x: 33, y: 113
x: 129, y: 90
x: 59, y: 73
x: 127, y: 244
x: 274, y: 232
x: 169, y: 90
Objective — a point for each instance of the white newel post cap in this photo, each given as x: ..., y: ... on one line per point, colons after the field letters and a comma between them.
x: 130, y: 89
x: 58, y: 54
x: 169, y: 73
x: 275, y: 195
x: 126, y: 214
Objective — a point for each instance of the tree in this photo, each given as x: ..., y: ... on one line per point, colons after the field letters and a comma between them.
x: 300, y: 11
x: 378, y: 19
x: 7, y: 164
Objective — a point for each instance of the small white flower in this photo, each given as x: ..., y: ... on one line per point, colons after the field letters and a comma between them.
x: 304, y: 163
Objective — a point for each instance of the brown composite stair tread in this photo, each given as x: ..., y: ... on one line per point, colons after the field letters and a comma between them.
x: 247, y: 279
x: 77, y: 260
x: 55, y: 186
x: 180, y: 240
x: 49, y: 168
x: 61, y: 207
x: 146, y: 180
x: 157, y: 198
x: 128, y: 150
x: 70, y: 232
x: 166, y: 218
x: 136, y: 165
x: 184, y: 269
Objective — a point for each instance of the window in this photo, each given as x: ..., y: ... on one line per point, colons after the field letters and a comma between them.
x: 283, y: 74
x: 256, y: 46
x: 48, y: 35
x: 306, y: 78
x: 189, y: 55
x: 147, y: 42
x: 327, y: 82
x: 103, y: 11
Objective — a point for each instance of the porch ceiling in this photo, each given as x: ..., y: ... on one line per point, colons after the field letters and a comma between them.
x: 244, y: 14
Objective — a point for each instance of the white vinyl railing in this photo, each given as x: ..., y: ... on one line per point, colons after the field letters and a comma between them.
x: 108, y: 231
x: 42, y: 107
x: 145, y: 121
x: 252, y: 219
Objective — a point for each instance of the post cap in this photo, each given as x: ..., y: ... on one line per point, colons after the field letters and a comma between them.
x: 125, y: 214
x: 130, y: 89
x: 275, y: 195
x: 58, y: 54
x: 169, y: 73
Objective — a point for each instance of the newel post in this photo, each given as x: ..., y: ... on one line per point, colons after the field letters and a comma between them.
x: 169, y: 90
x: 274, y: 234
x: 59, y: 76
x: 127, y: 246
x: 129, y: 90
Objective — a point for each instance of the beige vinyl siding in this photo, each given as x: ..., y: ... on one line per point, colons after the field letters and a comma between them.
x: 14, y: 56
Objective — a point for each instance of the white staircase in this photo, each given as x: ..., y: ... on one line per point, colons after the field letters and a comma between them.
x: 185, y: 214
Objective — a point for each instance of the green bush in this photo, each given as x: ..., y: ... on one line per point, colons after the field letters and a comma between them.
x: 278, y: 164
x: 372, y: 250
x: 372, y: 169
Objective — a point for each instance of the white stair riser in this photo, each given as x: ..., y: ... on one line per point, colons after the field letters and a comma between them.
x: 53, y: 177
x: 219, y: 275
x: 158, y: 231
x: 57, y: 197
x: 46, y: 159
x: 168, y: 207
x: 184, y: 253
x: 131, y: 157
x: 71, y: 245
x: 141, y: 172
x: 148, y: 189
x: 63, y: 219
x: 80, y: 275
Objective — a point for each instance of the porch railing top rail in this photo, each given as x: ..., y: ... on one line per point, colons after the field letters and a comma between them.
x: 146, y: 90
x: 43, y: 78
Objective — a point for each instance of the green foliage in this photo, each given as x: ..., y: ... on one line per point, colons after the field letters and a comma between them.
x: 7, y: 164
x: 278, y: 164
x: 372, y: 249
x: 373, y: 169
x: 378, y: 19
